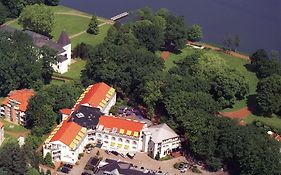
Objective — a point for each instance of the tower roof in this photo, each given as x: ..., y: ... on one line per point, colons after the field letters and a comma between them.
x: 64, y: 39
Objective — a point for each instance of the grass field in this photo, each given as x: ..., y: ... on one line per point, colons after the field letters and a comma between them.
x: 70, y: 24
x: 73, y: 25
x: 12, y: 127
x: 75, y: 69
x: 169, y: 63
x: 91, y: 39
x: 273, y: 122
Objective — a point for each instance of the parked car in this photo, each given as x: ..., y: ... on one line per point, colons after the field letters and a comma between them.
x: 65, y: 170
x: 107, y: 152
x: 68, y: 166
x: 131, y: 156
x: 115, y: 153
x: 123, y: 155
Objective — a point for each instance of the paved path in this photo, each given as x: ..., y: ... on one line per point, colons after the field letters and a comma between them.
x: 80, y: 33
x: 141, y: 160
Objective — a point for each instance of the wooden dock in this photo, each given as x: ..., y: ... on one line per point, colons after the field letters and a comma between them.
x: 117, y: 17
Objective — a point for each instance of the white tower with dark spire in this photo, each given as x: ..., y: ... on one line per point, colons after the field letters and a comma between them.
x: 64, y: 59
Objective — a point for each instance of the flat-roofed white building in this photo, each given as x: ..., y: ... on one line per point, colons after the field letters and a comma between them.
x: 160, y: 139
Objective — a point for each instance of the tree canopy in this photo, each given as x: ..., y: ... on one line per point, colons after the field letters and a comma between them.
x: 93, y: 26
x: 38, y: 18
x: 269, y: 94
x: 21, y: 66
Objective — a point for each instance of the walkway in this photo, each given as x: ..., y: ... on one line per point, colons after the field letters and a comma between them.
x: 80, y: 33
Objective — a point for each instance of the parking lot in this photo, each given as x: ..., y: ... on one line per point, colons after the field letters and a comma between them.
x: 141, y: 160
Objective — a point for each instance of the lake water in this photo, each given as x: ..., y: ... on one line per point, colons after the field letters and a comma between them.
x: 257, y: 22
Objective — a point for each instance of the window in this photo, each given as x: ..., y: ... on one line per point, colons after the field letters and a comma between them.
x: 106, y: 136
x: 127, y: 141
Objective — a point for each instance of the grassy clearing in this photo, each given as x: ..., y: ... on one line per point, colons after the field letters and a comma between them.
x: 56, y: 82
x: 91, y: 39
x: 10, y: 127
x: 75, y: 69
x: 273, y: 122
x: 70, y: 24
x: 169, y: 63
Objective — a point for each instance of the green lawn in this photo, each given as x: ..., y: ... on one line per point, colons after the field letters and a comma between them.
x: 273, y: 122
x: 12, y: 127
x: 70, y: 24
x: 91, y: 39
x: 75, y: 69
x: 169, y: 63
x: 251, y: 78
x: 57, y: 82
x: 73, y: 25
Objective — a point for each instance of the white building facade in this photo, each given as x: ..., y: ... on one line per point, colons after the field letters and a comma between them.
x: 160, y: 139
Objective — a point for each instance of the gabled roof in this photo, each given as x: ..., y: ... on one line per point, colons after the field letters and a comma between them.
x: 68, y: 133
x: 161, y: 132
x: 21, y: 96
x: 64, y: 39
x: 96, y: 95
x: 120, y: 125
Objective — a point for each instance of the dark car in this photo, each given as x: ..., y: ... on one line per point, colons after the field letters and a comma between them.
x: 65, y: 170
x: 68, y: 166
x: 115, y: 153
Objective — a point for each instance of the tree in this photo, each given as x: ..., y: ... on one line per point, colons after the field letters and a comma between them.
x: 48, y: 160
x: 263, y: 65
x: 149, y: 35
x: 48, y: 57
x: 214, y: 164
x: 3, y: 13
x: 269, y: 94
x: 231, y: 42
x: 20, y: 66
x: 52, y: 2
x: 195, y: 33
x: 176, y: 32
x: 125, y: 67
x: 227, y: 88
x: 41, y: 116
x: 179, y: 103
x: 32, y: 171
x: 38, y: 18
x: 93, y: 26
x: 12, y: 159
x: 14, y: 7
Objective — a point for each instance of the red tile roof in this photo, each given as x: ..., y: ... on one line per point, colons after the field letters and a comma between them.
x: 21, y: 96
x: 93, y: 95
x: 65, y: 111
x: 67, y: 132
x: 121, y: 124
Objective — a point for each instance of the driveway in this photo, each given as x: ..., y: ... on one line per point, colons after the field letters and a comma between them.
x: 140, y: 160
